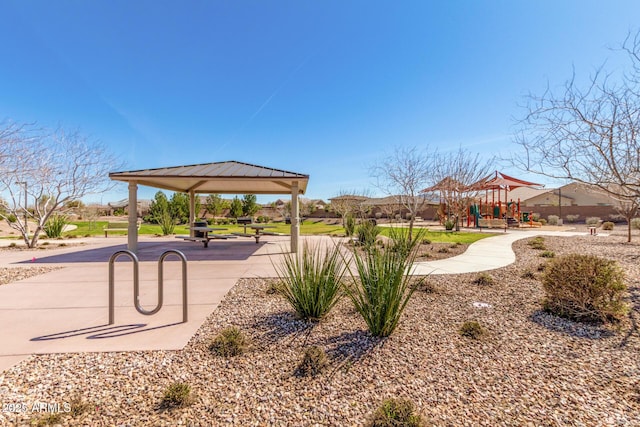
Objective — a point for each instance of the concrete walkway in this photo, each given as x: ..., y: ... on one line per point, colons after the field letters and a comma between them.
x: 486, y: 254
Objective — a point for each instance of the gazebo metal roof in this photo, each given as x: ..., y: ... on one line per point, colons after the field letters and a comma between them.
x: 229, y: 177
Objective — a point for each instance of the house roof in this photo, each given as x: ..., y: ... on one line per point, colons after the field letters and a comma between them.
x: 229, y: 177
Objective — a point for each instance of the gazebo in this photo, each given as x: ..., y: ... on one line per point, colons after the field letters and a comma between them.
x: 229, y: 177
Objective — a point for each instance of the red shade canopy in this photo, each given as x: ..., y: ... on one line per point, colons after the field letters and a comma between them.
x: 501, y: 180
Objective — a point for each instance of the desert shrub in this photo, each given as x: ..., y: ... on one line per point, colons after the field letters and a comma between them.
x: 607, y: 225
x: 537, y: 243
x: 584, y: 288
x: 274, y: 287
x: 13, y: 245
x: 635, y: 223
x: 592, y: 220
x: 528, y: 274
x: 617, y: 218
x: 349, y: 225
x: 542, y: 221
x: 547, y: 254
x: 167, y: 223
x: 176, y: 395
x: 471, y: 329
x: 395, y: 413
x: 553, y: 219
x: 55, y: 225
x: 572, y: 218
x: 483, y: 279
x: 367, y: 233
x: 381, y: 290
x: 449, y: 224
x: 313, y: 362
x: 11, y: 218
x: 535, y: 217
x: 312, y: 281
x: 229, y: 342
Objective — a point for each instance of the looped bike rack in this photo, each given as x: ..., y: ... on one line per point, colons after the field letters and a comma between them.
x: 136, y: 283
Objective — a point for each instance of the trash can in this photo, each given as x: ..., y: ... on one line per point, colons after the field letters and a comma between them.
x: 525, y: 216
x: 197, y: 233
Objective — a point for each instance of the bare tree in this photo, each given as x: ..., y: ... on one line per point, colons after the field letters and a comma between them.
x: 404, y: 174
x: 459, y: 175
x: 349, y: 203
x: 41, y: 172
x: 588, y: 134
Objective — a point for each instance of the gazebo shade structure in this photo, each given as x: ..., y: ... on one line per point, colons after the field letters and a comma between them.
x: 229, y: 177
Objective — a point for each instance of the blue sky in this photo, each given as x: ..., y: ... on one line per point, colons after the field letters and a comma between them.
x: 324, y: 88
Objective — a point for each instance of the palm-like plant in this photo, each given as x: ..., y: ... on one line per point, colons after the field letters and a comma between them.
x: 312, y: 281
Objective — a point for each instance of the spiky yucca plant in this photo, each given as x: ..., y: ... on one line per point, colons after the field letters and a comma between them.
x: 312, y: 281
x: 383, y: 287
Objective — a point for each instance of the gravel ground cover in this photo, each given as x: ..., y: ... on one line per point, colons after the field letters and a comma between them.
x: 529, y: 369
x: 13, y: 274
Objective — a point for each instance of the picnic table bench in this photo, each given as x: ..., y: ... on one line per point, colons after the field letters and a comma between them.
x: 259, y: 232
x: 116, y: 226
x: 202, y: 235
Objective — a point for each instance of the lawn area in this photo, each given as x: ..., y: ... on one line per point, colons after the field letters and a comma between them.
x: 307, y: 228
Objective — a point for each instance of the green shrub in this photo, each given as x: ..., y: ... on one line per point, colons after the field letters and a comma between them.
x: 12, y: 218
x: 396, y: 413
x: 313, y: 362
x: 312, y: 281
x: 449, y: 224
x: 542, y: 221
x: 484, y: 279
x: 584, y: 288
x: 528, y: 274
x: 592, y: 220
x: 367, y: 233
x: 572, y: 218
x: 607, y: 225
x: 548, y: 254
x: 553, y: 219
x: 537, y: 243
x: 349, y: 225
x: 167, y: 223
x: 426, y: 241
x: 55, y: 225
x: 176, y: 395
x: 381, y: 290
x: 443, y: 250
x: 472, y: 329
x: 229, y: 342
x: 635, y: 223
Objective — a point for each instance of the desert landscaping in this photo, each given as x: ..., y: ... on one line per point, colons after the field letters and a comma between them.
x: 527, y: 367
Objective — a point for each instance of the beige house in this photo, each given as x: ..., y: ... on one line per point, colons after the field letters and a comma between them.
x: 573, y: 194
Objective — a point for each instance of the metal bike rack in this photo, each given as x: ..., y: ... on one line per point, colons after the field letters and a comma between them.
x: 136, y: 283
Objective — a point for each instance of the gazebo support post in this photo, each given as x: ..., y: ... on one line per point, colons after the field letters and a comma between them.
x: 295, y: 218
x: 192, y: 211
x: 132, y: 239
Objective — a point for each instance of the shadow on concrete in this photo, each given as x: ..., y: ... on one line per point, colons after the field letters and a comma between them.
x: 150, y: 251
x: 103, y: 331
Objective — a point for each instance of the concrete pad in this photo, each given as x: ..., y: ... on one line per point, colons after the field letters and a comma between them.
x: 67, y: 310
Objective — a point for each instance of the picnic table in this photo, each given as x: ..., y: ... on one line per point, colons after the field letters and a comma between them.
x: 202, y: 235
x: 259, y: 231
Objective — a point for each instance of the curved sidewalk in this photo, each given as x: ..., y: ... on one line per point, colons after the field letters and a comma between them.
x: 486, y: 254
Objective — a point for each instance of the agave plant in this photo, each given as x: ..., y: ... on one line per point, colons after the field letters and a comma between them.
x: 312, y: 281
